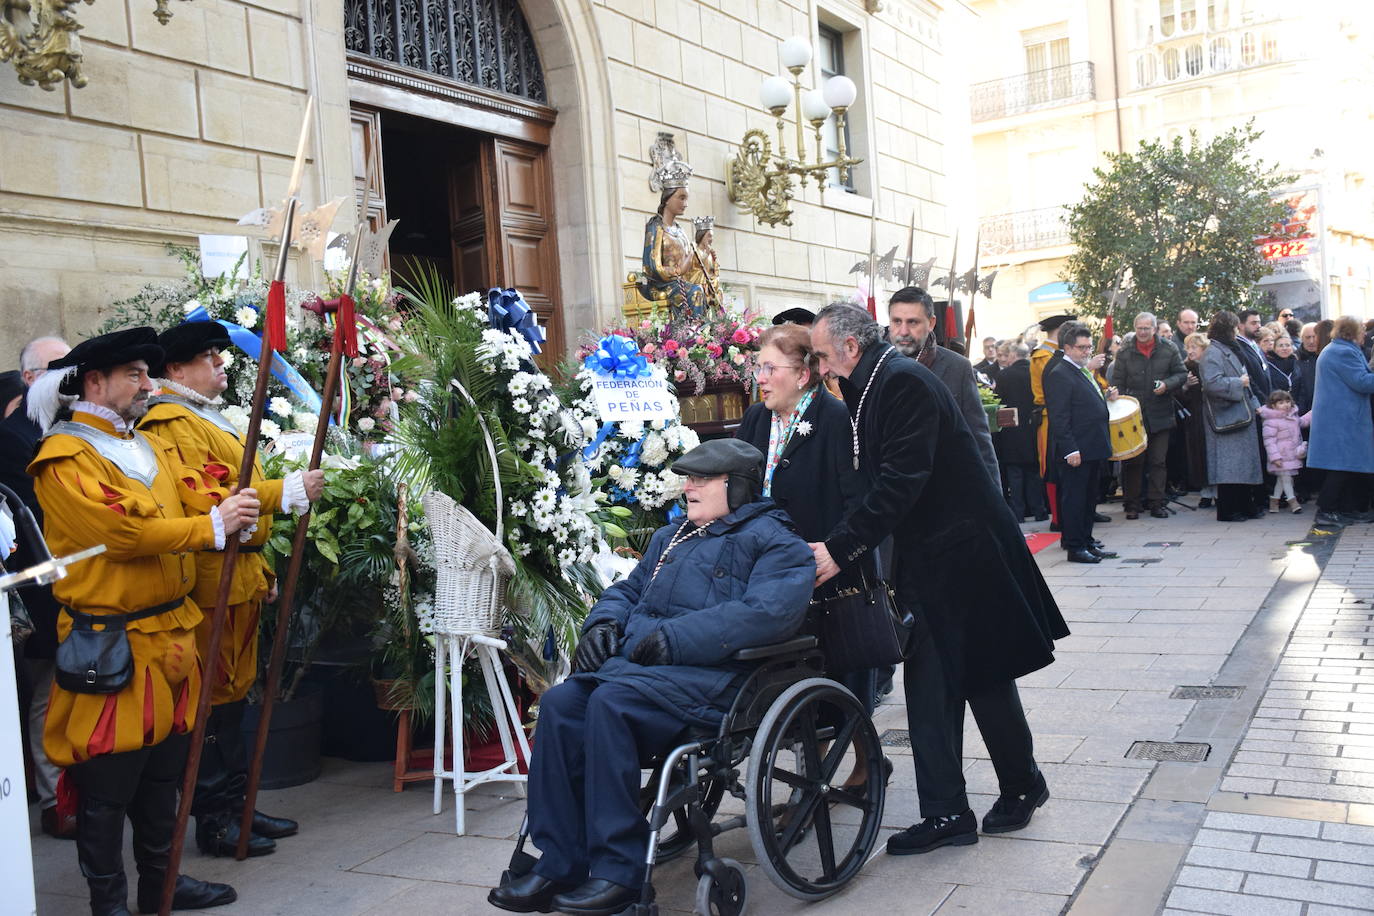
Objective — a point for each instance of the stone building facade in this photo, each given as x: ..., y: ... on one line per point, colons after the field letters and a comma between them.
x: 537, y: 180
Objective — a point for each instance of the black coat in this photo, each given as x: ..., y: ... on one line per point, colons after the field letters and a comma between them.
x: 1256, y: 366
x: 815, y: 482
x: 18, y: 441
x: 1134, y: 374
x: 1016, y: 444
x: 959, y: 557
x: 1078, y: 414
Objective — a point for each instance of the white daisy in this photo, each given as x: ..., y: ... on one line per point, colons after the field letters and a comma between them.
x: 246, y: 316
x: 280, y: 406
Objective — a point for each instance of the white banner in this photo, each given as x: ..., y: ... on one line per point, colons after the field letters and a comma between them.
x: 629, y: 399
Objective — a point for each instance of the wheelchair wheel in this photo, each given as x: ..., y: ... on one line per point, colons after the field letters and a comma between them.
x: 722, y: 898
x: 811, y: 833
x: 676, y: 837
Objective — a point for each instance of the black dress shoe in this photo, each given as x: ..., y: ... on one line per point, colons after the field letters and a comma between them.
x: 1042, y: 517
x: 1083, y: 555
x: 1132, y: 515
x: 274, y: 828
x: 1098, y: 544
x: 1205, y: 503
x: 190, y: 894
x: 932, y: 833
x: 1102, y: 553
x: 1100, y: 518
x: 530, y: 893
x: 598, y: 897
x: 1159, y: 512
x: 1012, y: 812
x: 218, y: 836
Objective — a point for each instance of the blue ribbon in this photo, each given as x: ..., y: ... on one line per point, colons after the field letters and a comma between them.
x: 606, y: 429
x: 251, y: 345
x: 618, y: 357
x: 507, y: 310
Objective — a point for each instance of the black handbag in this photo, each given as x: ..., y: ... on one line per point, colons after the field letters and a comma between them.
x: 863, y: 628
x: 99, y: 661
x: 1234, y: 425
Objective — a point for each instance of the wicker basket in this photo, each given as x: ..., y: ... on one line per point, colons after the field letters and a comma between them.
x: 472, y: 565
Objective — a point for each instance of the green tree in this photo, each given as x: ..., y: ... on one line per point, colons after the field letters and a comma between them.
x: 1182, y: 218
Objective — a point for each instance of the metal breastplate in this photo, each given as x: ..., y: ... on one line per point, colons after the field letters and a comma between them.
x: 133, y: 456
x: 208, y: 414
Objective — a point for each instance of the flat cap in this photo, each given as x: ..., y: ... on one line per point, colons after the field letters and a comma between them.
x: 113, y: 349
x: 1052, y: 322
x: 186, y: 340
x: 796, y: 315
x: 721, y: 456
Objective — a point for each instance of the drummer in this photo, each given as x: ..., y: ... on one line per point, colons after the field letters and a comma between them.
x: 1079, y: 445
x: 1150, y: 372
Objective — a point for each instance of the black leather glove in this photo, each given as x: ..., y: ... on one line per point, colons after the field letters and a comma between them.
x: 653, y: 650
x: 596, y: 645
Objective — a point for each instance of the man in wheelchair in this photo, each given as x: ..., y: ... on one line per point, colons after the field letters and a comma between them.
x: 652, y: 663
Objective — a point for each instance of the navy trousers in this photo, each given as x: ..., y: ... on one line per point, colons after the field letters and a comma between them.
x: 584, y: 780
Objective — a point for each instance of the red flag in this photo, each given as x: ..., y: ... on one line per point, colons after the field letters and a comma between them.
x: 347, y: 325
x: 275, y: 338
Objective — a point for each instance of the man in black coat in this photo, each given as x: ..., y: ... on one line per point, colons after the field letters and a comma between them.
x: 1080, y: 444
x: 18, y: 439
x: 1016, y: 444
x: 1149, y: 369
x: 959, y: 564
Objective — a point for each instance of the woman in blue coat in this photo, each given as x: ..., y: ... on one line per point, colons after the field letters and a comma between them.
x: 1342, y: 439
x: 652, y: 663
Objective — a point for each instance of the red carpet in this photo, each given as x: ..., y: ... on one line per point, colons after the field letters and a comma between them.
x: 1038, y: 542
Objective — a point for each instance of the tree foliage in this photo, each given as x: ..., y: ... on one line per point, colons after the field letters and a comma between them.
x: 1182, y: 219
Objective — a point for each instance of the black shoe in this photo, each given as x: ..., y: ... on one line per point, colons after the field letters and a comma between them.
x: 1102, y: 553
x: 1236, y: 517
x: 274, y: 828
x: 934, y: 832
x: 598, y: 897
x: 219, y: 836
x: 1364, y: 517
x: 190, y: 894
x: 1329, y: 519
x: 1012, y: 812
x: 1054, y: 526
x: 530, y: 893
x: 1042, y: 517
x: 1132, y: 515
x: 1159, y: 512
x: 1083, y: 555
x: 1100, y: 518
x: 1205, y: 502
x: 1098, y: 544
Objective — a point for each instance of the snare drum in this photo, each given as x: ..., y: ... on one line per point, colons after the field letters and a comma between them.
x: 1126, y: 428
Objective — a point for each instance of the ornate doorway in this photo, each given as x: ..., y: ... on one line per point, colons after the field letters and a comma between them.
x: 450, y: 96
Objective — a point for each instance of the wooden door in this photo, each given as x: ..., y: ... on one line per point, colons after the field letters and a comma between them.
x: 366, y: 134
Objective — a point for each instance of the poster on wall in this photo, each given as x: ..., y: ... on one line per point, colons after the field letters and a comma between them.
x: 1293, y: 251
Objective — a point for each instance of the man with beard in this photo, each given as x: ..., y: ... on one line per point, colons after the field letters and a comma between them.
x: 911, y: 329
x: 186, y: 414
x: 960, y: 565
x: 101, y: 482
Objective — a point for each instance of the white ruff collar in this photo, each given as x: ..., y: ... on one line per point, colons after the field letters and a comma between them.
x: 103, y: 413
x: 190, y: 394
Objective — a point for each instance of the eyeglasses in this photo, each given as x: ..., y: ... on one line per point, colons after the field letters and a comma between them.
x: 766, y: 369
x: 697, y: 481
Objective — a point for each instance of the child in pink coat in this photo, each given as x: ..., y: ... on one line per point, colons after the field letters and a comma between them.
x: 1283, y: 444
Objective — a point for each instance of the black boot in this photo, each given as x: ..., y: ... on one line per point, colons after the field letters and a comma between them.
x: 153, y: 814
x: 220, y: 785
x: 218, y: 835
x: 100, y: 851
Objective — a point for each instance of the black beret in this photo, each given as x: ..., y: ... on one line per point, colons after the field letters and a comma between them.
x: 721, y: 456
x: 189, y: 339
x: 1053, y: 321
x: 113, y: 349
x: 797, y: 315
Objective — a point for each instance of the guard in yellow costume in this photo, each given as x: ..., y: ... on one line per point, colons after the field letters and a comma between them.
x: 122, y: 737
x: 1039, y: 361
x: 186, y: 414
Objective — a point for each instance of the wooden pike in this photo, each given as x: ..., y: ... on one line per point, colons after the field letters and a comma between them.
x: 949, y: 288
x: 973, y: 292
x: 210, y: 662
x: 873, y: 260
x: 286, y: 596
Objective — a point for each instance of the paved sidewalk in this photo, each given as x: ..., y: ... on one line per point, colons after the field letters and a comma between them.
x: 1191, y: 603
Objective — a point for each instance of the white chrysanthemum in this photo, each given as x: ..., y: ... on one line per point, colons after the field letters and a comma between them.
x: 519, y: 383
x: 237, y: 416
x: 516, y: 508
x: 545, y: 500
x: 688, y: 438
x: 227, y: 358
x: 520, y: 405
x: 632, y: 429
x: 306, y: 422
x: 657, y: 424
x: 589, y: 428
x: 269, y: 430
x: 567, y: 556
x: 279, y: 406
x: 367, y: 424
x: 615, y: 472
x: 628, y: 478
x: 246, y: 316
x: 654, y: 451
x: 189, y: 306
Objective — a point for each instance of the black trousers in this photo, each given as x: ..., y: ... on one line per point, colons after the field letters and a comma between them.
x: 1154, y: 459
x: 1026, y: 489
x: 222, y: 778
x: 1343, y: 491
x: 1078, y: 502
x: 1234, y: 499
x: 935, y: 716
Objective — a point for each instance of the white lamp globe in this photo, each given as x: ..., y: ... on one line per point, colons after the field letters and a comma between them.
x: 795, y: 52
x: 775, y: 92
x: 814, y: 105
x: 840, y: 92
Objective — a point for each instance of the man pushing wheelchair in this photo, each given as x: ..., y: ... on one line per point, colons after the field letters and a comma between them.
x: 654, y: 661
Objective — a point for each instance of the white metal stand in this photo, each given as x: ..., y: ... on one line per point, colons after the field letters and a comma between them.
x: 450, y: 651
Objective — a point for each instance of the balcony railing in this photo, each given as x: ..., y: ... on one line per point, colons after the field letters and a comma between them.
x: 1034, y: 91
x: 1023, y: 230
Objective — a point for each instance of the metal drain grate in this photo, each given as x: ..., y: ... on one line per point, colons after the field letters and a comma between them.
x: 1163, y: 543
x: 1172, y: 751
x: 895, y: 737
x: 1143, y: 561
x: 1206, y: 693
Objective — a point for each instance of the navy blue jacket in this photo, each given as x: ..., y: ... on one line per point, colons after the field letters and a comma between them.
x: 1078, y: 414
x: 744, y: 582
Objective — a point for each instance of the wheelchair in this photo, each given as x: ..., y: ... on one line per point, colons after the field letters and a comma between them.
x: 784, y: 749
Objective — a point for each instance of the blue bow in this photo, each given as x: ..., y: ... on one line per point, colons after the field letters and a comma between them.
x: 618, y: 357
x: 507, y: 310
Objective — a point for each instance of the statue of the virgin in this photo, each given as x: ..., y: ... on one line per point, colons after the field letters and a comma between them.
x: 670, y: 253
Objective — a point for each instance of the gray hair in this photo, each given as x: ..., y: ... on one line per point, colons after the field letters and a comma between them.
x: 845, y: 320
x: 26, y: 355
x: 1020, y: 351
x: 1150, y: 315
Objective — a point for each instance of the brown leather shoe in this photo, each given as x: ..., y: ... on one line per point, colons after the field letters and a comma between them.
x: 61, y: 828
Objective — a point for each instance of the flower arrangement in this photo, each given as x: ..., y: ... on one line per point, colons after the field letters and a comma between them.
x: 722, y: 347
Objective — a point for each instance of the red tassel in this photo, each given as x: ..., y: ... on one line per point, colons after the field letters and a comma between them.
x: 346, y: 325
x: 1107, y: 332
x: 951, y: 322
x: 275, y: 338
x: 872, y: 307
x: 969, y: 327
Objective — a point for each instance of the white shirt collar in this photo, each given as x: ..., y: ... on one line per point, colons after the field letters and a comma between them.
x: 104, y: 413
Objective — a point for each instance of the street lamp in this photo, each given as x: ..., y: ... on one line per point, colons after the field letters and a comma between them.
x: 760, y: 182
